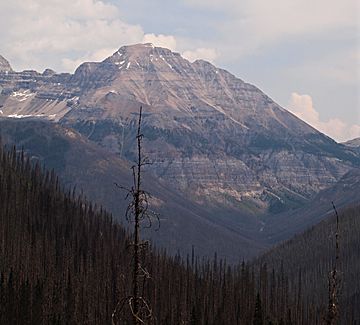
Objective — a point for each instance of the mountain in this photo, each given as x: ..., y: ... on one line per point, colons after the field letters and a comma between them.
x: 216, y: 138
x: 210, y: 134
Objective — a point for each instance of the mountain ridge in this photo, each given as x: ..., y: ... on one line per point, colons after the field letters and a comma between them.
x: 211, y: 135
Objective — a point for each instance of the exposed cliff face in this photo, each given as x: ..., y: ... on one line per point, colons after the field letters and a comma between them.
x: 211, y: 135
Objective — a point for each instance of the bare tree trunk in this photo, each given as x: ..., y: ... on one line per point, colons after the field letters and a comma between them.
x: 138, y: 211
x: 333, y: 304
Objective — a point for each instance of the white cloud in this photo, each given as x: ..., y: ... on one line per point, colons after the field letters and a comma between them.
x: 167, y: 41
x: 72, y: 29
x: 207, y: 54
x: 99, y: 55
x: 60, y: 34
x: 252, y: 25
x: 63, y: 34
x: 213, y: 4
x: 302, y: 106
x: 338, y: 67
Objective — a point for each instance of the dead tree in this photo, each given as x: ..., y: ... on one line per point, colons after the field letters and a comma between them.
x: 333, y: 303
x: 137, y: 211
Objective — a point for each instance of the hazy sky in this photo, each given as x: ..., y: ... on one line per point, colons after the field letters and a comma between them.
x: 302, y: 53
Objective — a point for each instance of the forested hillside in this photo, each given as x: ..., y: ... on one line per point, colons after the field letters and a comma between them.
x: 64, y: 261
x: 307, y: 259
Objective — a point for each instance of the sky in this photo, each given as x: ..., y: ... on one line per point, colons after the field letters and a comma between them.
x: 305, y: 54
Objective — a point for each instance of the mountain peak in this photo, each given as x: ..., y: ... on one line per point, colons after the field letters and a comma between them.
x: 143, y: 47
x: 139, y: 52
x: 4, y: 65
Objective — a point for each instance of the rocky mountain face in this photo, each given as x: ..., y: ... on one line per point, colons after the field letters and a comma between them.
x: 32, y: 94
x: 217, y: 139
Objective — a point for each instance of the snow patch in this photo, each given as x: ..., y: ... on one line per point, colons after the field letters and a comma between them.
x: 262, y: 226
x: 169, y: 65
x: 274, y: 195
x: 219, y: 109
x: 26, y: 115
x: 120, y: 63
x: 150, y: 45
x: 186, y: 127
x: 21, y: 95
x: 70, y: 133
